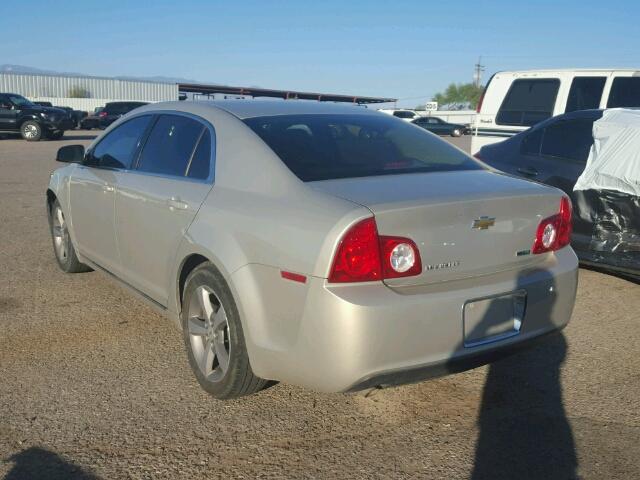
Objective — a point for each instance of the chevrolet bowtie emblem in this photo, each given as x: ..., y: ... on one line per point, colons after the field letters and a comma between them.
x: 483, y: 223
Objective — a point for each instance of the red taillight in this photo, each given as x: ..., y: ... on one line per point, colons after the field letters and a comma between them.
x: 363, y: 256
x: 102, y: 114
x: 554, y: 232
x: 358, y: 255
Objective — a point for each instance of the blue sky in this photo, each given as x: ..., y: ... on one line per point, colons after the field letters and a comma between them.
x: 403, y: 49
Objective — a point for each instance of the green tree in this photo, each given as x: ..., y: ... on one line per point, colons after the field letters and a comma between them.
x: 78, y: 92
x: 459, y: 93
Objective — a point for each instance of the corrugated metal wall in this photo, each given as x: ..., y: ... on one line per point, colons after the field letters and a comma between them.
x: 37, y: 86
x: 85, y: 104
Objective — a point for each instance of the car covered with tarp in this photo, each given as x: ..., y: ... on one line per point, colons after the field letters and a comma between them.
x: 594, y: 156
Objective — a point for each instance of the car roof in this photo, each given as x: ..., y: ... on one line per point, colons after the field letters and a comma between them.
x: 266, y: 108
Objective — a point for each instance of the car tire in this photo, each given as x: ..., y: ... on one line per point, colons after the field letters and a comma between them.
x: 456, y: 132
x: 214, y: 338
x: 31, y: 131
x: 57, y: 135
x: 62, y: 245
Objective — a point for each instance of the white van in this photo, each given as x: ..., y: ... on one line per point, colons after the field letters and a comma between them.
x: 514, y: 101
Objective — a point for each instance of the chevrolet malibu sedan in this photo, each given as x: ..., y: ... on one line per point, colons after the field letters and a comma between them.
x: 321, y: 245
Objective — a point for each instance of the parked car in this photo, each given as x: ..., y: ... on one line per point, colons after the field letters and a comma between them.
x: 404, y: 114
x: 92, y: 121
x: 440, y: 127
x: 555, y: 153
x: 114, y: 110
x: 75, y: 115
x: 514, y: 101
x: 33, y: 122
x: 326, y: 246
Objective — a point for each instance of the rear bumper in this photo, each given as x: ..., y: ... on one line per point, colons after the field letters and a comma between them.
x: 347, y: 337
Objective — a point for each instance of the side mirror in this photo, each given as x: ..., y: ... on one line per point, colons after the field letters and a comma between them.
x: 70, y: 154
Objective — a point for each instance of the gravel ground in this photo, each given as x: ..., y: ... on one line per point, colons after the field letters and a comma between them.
x: 94, y: 384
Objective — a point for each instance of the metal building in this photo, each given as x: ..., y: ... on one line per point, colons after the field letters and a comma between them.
x: 61, y: 85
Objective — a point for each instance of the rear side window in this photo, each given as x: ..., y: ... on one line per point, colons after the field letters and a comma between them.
x: 625, y: 92
x: 402, y: 114
x: 117, y: 149
x: 531, y: 143
x: 528, y: 102
x: 170, y: 145
x: 568, y: 139
x: 585, y: 93
x: 324, y: 147
x: 200, y: 166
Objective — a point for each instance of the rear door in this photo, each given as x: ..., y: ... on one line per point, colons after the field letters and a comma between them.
x: 158, y: 200
x: 93, y: 187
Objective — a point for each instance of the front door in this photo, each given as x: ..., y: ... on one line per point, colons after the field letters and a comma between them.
x: 92, y: 192
x: 8, y: 115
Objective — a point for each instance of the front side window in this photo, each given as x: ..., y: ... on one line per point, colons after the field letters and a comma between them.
x: 19, y: 101
x: 324, y: 147
x: 585, y: 93
x: 625, y: 92
x: 117, y: 149
x: 568, y: 139
x: 528, y: 102
x: 170, y: 145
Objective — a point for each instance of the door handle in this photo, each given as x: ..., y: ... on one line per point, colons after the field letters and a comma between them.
x: 106, y: 188
x: 529, y: 171
x: 177, y: 204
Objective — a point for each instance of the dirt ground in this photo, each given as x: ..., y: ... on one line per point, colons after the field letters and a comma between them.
x: 94, y: 384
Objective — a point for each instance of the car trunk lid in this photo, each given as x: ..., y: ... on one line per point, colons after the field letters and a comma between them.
x: 465, y: 224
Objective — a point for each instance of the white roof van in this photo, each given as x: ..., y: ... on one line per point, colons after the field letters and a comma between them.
x: 514, y: 101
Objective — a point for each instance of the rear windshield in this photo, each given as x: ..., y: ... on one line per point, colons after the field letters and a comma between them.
x: 325, y: 147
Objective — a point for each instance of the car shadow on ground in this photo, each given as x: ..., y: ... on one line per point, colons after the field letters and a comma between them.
x: 629, y: 278
x: 39, y: 463
x: 523, y: 429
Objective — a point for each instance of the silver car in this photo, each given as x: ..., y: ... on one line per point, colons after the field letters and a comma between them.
x: 322, y: 245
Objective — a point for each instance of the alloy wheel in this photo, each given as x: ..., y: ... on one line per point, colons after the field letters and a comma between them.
x: 60, y: 234
x: 30, y: 131
x: 209, y: 334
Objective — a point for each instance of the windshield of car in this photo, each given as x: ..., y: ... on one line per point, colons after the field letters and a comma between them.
x: 20, y: 101
x: 323, y: 147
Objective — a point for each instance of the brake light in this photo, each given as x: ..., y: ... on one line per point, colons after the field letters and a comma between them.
x: 102, y: 114
x: 554, y: 232
x: 364, y: 256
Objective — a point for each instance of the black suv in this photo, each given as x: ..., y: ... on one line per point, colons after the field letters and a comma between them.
x: 33, y: 122
x: 114, y: 110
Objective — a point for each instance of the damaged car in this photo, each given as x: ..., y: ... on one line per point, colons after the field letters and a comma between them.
x: 594, y: 156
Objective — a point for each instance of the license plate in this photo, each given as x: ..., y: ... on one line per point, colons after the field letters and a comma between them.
x: 493, y: 318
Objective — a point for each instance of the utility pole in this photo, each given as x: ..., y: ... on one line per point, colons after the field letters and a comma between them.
x: 477, y: 74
